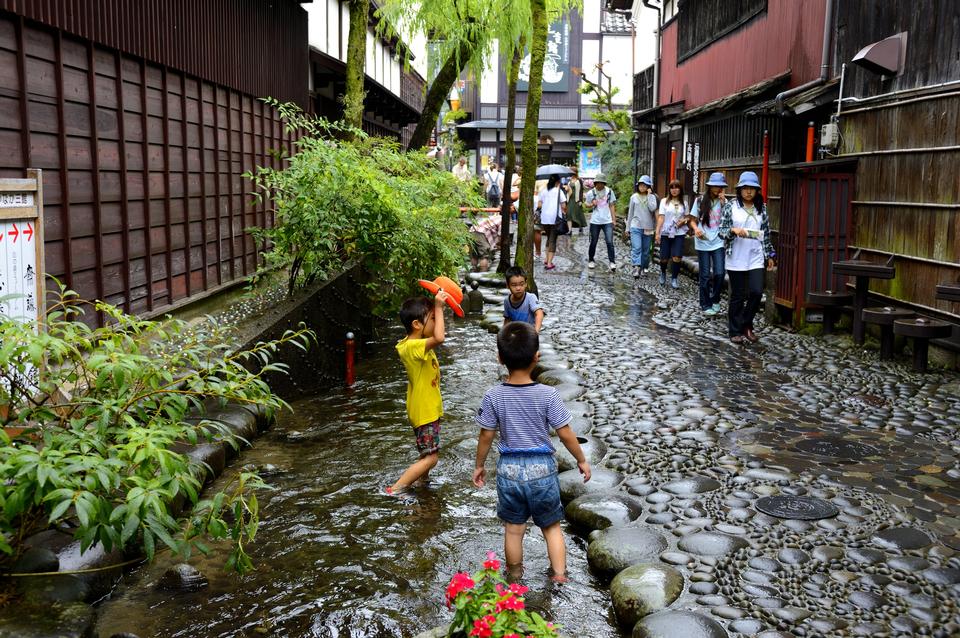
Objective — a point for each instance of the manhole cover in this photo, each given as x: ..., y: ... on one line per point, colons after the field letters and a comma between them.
x: 836, y: 447
x: 801, y: 508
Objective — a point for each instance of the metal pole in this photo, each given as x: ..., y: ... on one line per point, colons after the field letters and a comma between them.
x: 810, y: 131
x: 673, y: 164
x: 349, y: 351
x: 766, y: 165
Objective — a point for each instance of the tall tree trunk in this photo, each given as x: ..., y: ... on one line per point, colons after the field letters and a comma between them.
x: 356, y: 62
x: 439, y: 90
x: 528, y: 149
x: 511, y: 163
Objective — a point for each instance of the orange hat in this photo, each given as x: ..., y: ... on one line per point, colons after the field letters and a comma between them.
x: 450, y: 287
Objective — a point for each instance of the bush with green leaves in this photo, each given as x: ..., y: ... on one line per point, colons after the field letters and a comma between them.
x: 362, y: 200
x: 102, y: 410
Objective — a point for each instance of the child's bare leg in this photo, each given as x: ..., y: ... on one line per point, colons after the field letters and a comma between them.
x: 416, y: 471
x: 556, y: 550
x: 513, y: 543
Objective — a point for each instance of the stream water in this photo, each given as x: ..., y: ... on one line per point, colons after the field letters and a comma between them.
x: 337, y: 558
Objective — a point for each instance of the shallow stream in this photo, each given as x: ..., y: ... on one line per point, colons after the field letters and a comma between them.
x: 337, y: 558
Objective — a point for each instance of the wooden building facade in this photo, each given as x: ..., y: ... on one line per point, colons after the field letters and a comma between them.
x: 733, y: 70
x: 144, y: 116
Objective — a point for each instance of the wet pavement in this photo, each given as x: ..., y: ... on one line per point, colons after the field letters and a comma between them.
x: 794, y: 487
x: 702, y: 430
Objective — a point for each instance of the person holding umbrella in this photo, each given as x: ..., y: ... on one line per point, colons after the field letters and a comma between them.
x: 553, y: 205
x: 602, y: 201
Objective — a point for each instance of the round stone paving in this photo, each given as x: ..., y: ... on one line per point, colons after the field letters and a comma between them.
x: 802, y: 508
x: 836, y: 447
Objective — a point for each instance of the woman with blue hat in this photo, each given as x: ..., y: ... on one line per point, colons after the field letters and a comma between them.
x: 641, y: 222
x: 706, y: 213
x: 744, y: 224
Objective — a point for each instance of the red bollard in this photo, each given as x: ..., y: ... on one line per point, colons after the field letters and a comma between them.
x: 349, y: 350
x: 810, y: 138
x: 766, y: 165
x: 673, y: 165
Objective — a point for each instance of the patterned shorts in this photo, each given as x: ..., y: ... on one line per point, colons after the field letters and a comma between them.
x: 428, y: 438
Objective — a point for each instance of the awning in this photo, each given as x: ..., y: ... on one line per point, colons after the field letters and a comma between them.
x: 800, y: 103
x: 657, y: 113
x: 752, y: 92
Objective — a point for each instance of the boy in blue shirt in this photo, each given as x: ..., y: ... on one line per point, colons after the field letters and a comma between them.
x: 524, y: 412
x: 521, y: 305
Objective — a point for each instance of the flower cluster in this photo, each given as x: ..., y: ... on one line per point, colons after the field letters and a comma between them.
x: 487, y: 607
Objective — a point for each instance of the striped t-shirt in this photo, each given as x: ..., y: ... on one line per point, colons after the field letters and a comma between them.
x: 524, y: 414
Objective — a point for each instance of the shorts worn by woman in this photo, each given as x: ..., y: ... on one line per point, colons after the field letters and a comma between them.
x: 527, y: 486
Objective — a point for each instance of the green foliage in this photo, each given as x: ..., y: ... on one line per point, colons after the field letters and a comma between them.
x: 603, y: 98
x: 342, y: 202
x: 103, y: 410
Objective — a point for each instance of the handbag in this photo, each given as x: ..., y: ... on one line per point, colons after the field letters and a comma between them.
x: 563, y: 228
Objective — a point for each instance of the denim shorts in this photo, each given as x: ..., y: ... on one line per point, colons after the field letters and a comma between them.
x: 527, y: 486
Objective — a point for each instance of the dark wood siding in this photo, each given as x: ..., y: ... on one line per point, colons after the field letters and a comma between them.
x: 145, y: 205
x: 240, y: 44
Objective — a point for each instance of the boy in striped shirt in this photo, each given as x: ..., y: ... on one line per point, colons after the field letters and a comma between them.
x: 524, y: 412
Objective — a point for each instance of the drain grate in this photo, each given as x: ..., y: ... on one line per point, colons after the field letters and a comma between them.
x: 801, y: 508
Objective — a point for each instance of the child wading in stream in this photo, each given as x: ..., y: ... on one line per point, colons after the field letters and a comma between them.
x: 423, y: 321
x: 524, y: 412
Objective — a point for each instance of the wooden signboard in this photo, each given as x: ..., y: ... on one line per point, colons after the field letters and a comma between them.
x: 21, y: 247
x: 21, y: 253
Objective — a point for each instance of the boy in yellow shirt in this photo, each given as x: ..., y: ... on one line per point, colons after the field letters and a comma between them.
x: 423, y: 321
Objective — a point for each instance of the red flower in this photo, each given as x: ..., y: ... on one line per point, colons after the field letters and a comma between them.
x: 460, y: 582
x: 510, y: 602
x: 519, y: 590
x: 481, y: 627
x: 491, y: 562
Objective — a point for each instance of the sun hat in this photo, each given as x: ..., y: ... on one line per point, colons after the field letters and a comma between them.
x: 449, y: 286
x: 645, y: 179
x: 717, y: 179
x: 748, y: 178
x: 601, y: 178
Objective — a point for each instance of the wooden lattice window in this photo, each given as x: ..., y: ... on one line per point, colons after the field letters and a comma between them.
x: 702, y: 22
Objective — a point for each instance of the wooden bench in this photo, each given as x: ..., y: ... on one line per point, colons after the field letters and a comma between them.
x: 832, y: 303
x: 922, y: 330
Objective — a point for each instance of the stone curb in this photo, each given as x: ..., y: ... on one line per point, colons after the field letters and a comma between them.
x: 60, y: 606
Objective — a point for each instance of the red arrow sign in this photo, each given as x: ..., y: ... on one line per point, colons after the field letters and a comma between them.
x: 14, y: 233
x: 29, y: 232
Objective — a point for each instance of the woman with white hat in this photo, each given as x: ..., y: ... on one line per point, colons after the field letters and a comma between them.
x: 602, y: 202
x: 641, y: 222
x: 745, y: 225
x: 706, y: 213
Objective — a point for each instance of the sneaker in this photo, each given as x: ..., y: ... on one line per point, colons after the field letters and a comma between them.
x: 710, y: 312
x: 716, y: 309
x: 737, y: 339
x: 590, y: 264
x: 663, y: 278
x: 636, y: 272
x: 674, y: 283
x: 613, y: 266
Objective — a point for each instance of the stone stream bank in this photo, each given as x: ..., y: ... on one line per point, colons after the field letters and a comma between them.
x: 795, y: 487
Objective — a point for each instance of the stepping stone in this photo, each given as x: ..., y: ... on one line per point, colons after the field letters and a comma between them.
x: 593, y: 449
x: 600, y: 511
x: 601, y: 480
x: 711, y: 544
x: 673, y: 624
x: 901, y: 538
x: 642, y: 589
x: 616, y: 548
x: 691, y: 485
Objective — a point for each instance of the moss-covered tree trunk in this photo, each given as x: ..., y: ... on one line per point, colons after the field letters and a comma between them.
x: 439, y: 90
x: 528, y: 149
x: 511, y: 163
x: 356, y: 62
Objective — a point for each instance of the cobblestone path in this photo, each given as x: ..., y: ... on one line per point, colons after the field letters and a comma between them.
x: 701, y: 431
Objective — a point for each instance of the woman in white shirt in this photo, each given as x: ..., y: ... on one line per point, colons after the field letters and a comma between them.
x: 553, y: 204
x: 672, y: 225
x: 745, y: 226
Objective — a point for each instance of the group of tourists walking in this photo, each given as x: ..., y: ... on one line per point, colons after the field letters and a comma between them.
x: 731, y: 237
